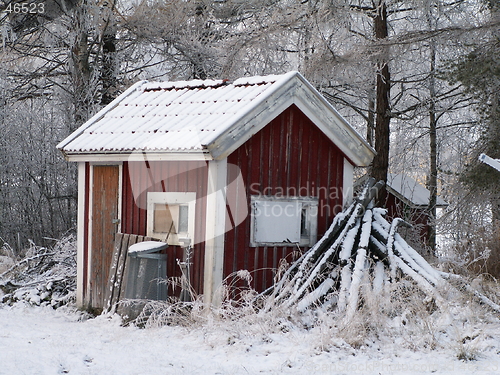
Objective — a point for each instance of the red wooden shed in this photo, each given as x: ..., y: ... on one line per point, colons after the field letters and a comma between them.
x: 250, y: 172
x: 409, y: 200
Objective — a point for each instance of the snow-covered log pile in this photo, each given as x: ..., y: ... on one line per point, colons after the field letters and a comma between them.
x: 361, y: 247
x: 45, y: 276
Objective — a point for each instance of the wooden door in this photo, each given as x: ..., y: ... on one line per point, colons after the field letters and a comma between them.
x: 104, y: 226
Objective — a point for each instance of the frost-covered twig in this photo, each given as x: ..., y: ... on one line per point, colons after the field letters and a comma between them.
x: 465, y: 285
x: 25, y: 261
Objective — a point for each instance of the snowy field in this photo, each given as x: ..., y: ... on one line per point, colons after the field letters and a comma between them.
x: 40, y: 340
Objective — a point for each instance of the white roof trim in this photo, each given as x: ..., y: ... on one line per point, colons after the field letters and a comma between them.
x: 139, y: 156
x: 345, y: 137
x: 256, y: 103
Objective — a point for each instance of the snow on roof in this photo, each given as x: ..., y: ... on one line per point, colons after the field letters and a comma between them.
x: 201, y: 116
x: 165, y: 116
x: 411, y: 191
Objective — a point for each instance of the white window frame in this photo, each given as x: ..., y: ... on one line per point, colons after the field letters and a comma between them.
x: 171, y: 198
x: 308, y: 229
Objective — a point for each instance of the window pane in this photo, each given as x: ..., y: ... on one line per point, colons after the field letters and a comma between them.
x: 183, y: 218
x: 304, y: 223
x: 163, y: 221
x: 277, y: 221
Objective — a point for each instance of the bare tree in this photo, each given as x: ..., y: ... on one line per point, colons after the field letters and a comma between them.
x: 56, y: 70
x: 478, y: 71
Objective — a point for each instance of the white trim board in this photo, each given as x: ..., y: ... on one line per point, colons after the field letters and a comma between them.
x: 80, y: 238
x: 348, y: 183
x: 139, y: 156
x: 215, y: 229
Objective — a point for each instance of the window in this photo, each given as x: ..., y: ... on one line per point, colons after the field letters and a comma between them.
x: 170, y: 216
x: 286, y: 221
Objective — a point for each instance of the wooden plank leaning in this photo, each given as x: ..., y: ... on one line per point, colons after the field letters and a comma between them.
x: 116, y: 285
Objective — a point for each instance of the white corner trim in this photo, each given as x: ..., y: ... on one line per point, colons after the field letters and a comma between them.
x: 215, y: 229
x: 90, y: 219
x: 348, y: 183
x: 120, y: 198
x: 80, y: 232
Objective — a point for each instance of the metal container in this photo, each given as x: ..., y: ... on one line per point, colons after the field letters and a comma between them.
x: 147, y: 273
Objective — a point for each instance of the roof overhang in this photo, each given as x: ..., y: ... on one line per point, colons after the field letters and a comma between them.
x: 99, y: 115
x: 138, y: 156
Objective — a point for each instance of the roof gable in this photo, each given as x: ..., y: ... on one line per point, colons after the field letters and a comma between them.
x: 209, y: 118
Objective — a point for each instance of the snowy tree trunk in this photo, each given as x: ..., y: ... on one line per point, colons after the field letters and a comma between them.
x: 383, y: 108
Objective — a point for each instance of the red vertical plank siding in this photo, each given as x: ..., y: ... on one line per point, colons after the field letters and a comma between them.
x: 168, y: 176
x: 415, y: 216
x: 290, y: 156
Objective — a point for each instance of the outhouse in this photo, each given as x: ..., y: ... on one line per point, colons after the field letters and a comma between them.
x: 249, y: 172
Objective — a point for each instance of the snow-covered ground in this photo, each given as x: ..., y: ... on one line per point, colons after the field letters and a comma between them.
x: 40, y: 340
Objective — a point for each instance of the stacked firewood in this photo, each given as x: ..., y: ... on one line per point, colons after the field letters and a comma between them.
x: 360, y: 247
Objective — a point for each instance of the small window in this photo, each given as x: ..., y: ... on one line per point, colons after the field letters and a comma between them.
x: 278, y: 221
x: 171, y: 216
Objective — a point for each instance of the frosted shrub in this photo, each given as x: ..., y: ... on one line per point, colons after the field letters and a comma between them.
x: 46, y: 276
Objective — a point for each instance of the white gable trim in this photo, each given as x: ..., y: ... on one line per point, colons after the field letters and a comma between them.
x: 321, y: 113
x: 293, y: 90
x: 254, y: 117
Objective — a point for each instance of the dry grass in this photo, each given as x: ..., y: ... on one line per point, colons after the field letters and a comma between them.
x: 402, y: 313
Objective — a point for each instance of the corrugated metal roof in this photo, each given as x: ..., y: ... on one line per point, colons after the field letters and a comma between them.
x: 206, y: 116
x: 168, y: 116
